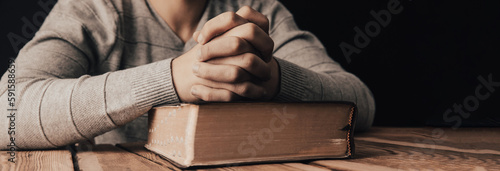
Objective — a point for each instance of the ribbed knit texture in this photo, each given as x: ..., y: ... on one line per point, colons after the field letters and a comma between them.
x: 154, y: 87
x: 95, y: 68
x: 292, y: 82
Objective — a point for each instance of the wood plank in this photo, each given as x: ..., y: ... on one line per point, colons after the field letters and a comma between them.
x: 109, y: 157
x: 461, y: 138
x: 350, y: 165
x: 59, y: 159
x: 273, y: 167
x: 417, y: 148
x: 391, y: 149
x: 269, y: 166
x: 138, y: 149
x: 303, y: 166
x: 430, y: 146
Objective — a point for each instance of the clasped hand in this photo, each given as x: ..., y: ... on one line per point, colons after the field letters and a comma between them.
x: 232, y: 60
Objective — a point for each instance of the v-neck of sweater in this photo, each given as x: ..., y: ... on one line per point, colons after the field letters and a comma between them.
x: 177, y: 41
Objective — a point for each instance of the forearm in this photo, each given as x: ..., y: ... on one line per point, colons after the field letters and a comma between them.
x: 301, y: 84
x: 309, y: 74
x: 132, y: 92
x: 54, y: 112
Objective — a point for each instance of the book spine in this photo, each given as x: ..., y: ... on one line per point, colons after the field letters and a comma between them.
x: 190, y: 133
x: 350, y: 133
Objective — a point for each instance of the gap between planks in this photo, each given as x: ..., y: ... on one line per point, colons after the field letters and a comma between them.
x: 55, y: 159
x: 109, y: 157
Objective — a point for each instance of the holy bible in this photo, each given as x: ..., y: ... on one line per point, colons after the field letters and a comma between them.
x: 230, y: 133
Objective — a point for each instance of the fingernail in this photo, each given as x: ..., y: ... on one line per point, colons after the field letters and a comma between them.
x: 194, y: 34
x: 196, y: 67
x: 194, y: 91
x: 200, y: 38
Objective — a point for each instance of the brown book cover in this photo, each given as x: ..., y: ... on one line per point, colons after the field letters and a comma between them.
x: 231, y: 133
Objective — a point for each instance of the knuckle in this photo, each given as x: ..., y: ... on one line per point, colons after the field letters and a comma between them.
x: 249, y: 60
x: 271, y: 44
x: 245, y: 10
x: 229, y: 17
x: 233, y: 74
x: 268, y: 49
x: 266, y: 21
x: 238, y: 44
x: 249, y: 30
x: 271, y: 48
x: 227, y: 96
x: 248, y: 27
x: 252, y: 28
x: 244, y: 89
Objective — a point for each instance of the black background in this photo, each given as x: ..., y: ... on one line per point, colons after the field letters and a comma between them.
x: 427, y: 58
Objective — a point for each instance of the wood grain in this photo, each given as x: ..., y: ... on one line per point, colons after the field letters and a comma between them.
x: 303, y: 166
x: 59, y: 159
x: 273, y: 167
x: 379, y: 149
x: 138, y: 149
x: 461, y: 138
x: 108, y: 157
x: 422, y: 149
x: 399, y: 149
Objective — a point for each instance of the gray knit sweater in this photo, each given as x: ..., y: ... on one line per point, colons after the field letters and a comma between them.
x: 96, y: 67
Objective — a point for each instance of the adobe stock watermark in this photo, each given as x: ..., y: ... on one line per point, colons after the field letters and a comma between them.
x: 257, y: 141
x: 28, y: 30
x: 30, y: 27
x: 456, y: 114
x: 11, y: 110
x: 372, y: 29
x: 471, y: 103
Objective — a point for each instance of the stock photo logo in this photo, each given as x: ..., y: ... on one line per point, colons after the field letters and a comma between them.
x: 30, y: 26
x: 471, y: 103
x: 257, y: 141
x: 372, y: 29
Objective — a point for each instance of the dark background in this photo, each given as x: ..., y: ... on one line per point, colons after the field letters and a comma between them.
x: 428, y: 58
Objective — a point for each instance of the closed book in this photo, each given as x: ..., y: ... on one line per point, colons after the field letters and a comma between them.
x: 230, y: 133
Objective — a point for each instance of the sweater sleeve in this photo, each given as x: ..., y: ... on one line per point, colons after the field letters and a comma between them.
x: 309, y: 74
x: 58, y: 102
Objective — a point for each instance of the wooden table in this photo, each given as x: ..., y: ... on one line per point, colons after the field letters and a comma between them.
x: 382, y: 148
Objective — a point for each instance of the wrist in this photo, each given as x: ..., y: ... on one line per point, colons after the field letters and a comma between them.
x: 182, y: 75
x: 273, y: 85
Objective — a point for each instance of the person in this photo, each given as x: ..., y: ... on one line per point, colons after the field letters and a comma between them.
x: 95, y: 68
